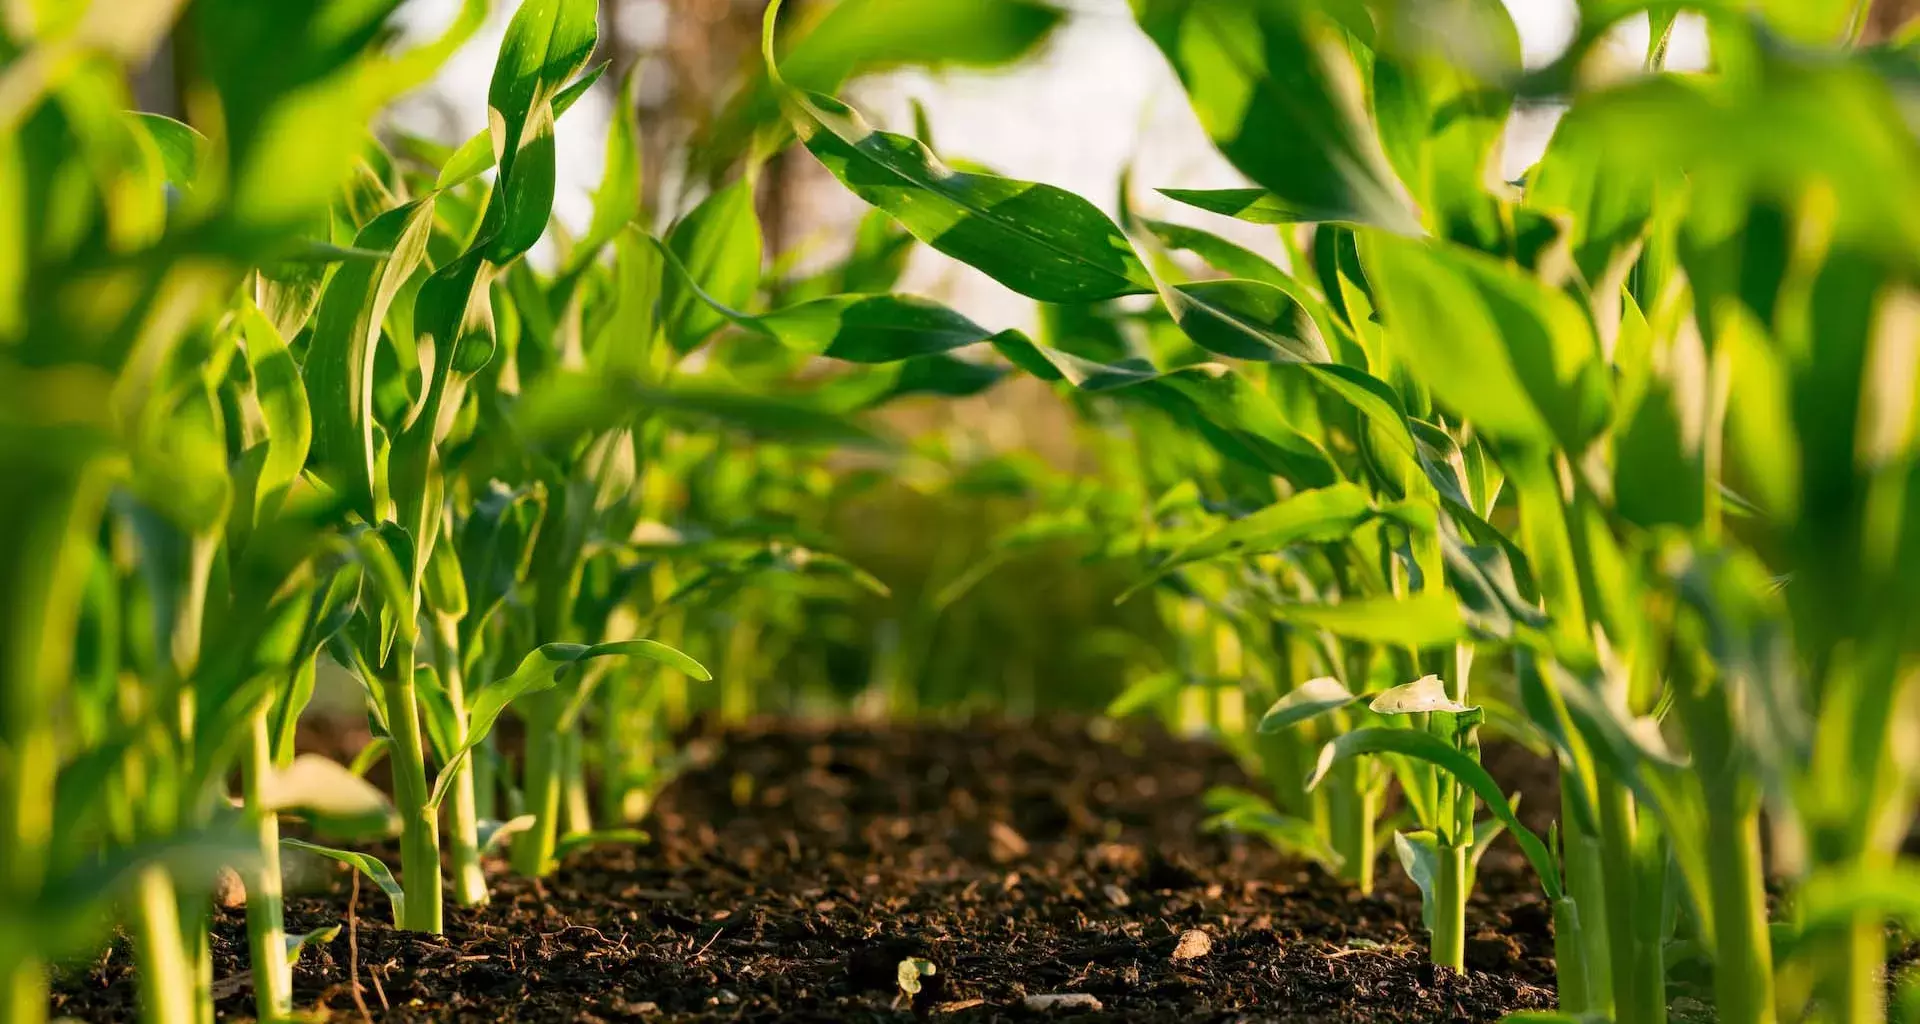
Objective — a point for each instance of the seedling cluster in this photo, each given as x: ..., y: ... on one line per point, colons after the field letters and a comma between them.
x: 1613, y: 460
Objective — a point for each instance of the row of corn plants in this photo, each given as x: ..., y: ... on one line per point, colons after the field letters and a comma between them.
x: 284, y: 395
x: 1616, y: 456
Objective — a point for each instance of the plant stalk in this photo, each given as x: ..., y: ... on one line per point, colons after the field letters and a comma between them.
x: 1570, y: 967
x: 1743, y: 955
x: 1637, y: 994
x: 532, y: 854
x: 463, y: 822
x: 266, y: 913
x: 1351, y: 813
x: 1448, y: 940
x: 159, y: 950
x: 419, y: 826
x: 1586, y: 887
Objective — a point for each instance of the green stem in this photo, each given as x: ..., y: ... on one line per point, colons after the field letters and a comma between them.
x: 620, y: 739
x: 266, y: 923
x: 419, y: 827
x: 1743, y: 955
x: 486, y: 780
x: 1637, y: 996
x: 463, y: 823
x: 166, y: 973
x: 1448, y: 940
x: 576, y: 809
x: 1854, y: 970
x: 1351, y: 812
x: 25, y: 822
x: 196, y: 936
x: 1586, y: 886
x: 1570, y: 967
x: 540, y: 785
x: 23, y: 989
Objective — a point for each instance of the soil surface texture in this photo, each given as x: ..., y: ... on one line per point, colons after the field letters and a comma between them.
x: 793, y: 867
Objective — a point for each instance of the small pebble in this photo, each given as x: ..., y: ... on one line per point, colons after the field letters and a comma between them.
x: 1194, y: 944
x: 1004, y: 843
x: 1063, y: 1001
x: 1116, y: 895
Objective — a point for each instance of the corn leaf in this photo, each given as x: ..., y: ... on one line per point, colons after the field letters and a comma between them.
x: 1425, y: 746
x: 1309, y: 700
x: 1280, y: 96
x: 542, y: 669
x: 1426, y: 619
x: 718, y: 247
x: 369, y: 866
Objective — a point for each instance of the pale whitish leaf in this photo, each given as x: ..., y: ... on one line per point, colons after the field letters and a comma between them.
x: 371, y: 867
x: 1427, y: 693
x: 334, y: 800
x: 1309, y: 700
x: 910, y: 971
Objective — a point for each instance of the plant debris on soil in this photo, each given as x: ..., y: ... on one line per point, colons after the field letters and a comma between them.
x: 793, y: 867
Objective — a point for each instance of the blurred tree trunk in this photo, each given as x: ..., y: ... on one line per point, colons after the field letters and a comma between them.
x: 1887, y: 16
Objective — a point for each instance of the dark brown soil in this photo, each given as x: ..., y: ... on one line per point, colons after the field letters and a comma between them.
x: 794, y: 867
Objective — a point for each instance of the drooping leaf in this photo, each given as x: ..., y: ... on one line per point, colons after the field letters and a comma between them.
x: 542, y: 669
x: 859, y: 37
x: 1038, y: 240
x: 718, y: 245
x: 1326, y: 514
x: 371, y: 867
x: 1241, y: 811
x: 1280, y: 96
x: 1425, y: 746
x: 1253, y: 205
x: 1309, y: 700
x: 1426, y: 619
x: 1247, y: 320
